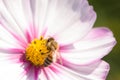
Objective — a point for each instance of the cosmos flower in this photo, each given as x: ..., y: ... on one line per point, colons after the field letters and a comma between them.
x: 52, y: 40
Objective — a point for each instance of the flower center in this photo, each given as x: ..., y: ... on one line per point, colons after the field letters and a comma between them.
x: 40, y: 51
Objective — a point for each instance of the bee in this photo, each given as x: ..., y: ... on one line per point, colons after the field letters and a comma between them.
x: 52, y: 46
x: 42, y: 52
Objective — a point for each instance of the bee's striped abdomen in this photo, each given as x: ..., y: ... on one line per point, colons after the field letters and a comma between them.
x: 48, y: 60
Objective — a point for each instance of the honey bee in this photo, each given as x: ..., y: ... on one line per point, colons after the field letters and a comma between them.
x: 52, y: 47
x: 42, y: 52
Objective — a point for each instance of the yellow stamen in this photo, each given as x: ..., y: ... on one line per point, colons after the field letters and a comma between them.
x: 37, y: 51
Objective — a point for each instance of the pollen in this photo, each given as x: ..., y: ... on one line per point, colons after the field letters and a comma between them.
x: 37, y: 52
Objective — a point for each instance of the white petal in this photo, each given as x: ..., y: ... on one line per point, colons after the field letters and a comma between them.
x: 91, y: 49
x: 58, y: 73
x: 42, y: 75
x: 40, y: 11
x: 10, y: 71
x: 17, y: 16
x: 29, y: 15
x: 11, y: 57
x: 96, y: 37
x: 8, y: 34
x: 18, y: 70
x: 94, y: 71
x: 51, y: 75
x: 7, y: 20
x: 69, y: 18
x: 8, y: 40
x: 16, y: 9
x: 64, y: 73
x: 29, y: 72
x: 27, y: 9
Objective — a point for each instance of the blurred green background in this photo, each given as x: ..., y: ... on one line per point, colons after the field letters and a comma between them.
x: 108, y: 14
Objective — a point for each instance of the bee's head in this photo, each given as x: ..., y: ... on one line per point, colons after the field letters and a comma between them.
x: 50, y: 39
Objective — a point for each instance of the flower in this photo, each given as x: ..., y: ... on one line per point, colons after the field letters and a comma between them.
x: 52, y: 40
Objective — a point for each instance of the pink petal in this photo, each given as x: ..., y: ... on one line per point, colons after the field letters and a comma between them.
x: 96, y: 37
x: 31, y: 31
x: 70, y: 21
x: 90, y: 49
x: 98, y: 33
x: 10, y: 48
x: 50, y: 74
x: 42, y: 75
x: 59, y: 72
x: 13, y: 56
x: 95, y: 71
x: 30, y: 72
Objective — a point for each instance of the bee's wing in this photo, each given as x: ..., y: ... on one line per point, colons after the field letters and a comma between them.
x: 57, y: 56
x: 54, y: 56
